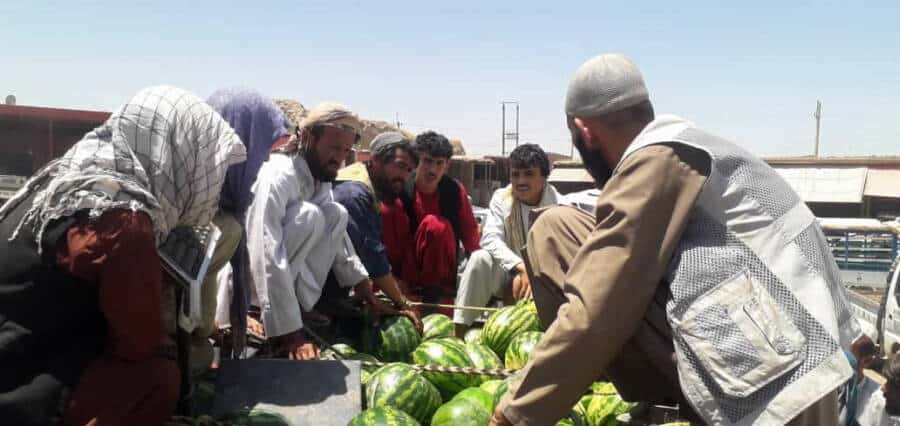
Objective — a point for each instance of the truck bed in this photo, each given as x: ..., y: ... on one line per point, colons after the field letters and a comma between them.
x: 867, y: 297
x: 864, y: 303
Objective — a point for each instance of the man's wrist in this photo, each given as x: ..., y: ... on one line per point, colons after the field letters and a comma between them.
x: 402, y: 304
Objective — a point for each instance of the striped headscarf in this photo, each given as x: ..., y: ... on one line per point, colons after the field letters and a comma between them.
x: 165, y: 152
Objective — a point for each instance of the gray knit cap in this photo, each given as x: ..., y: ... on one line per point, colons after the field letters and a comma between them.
x: 605, y: 84
x: 387, y: 142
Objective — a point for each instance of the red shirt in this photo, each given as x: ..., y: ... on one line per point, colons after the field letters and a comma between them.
x: 427, y: 204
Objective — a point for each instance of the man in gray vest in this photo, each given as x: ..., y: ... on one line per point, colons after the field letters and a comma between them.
x: 702, y: 279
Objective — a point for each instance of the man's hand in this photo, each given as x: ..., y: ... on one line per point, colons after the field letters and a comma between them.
x: 499, y: 419
x: 414, y: 316
x: 255, y: 327
x: 297, y: 347
x: 521, y: 285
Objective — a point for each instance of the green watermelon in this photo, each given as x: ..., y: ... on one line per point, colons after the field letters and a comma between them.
x: 400, y: 386
x: 399, y: 337
x: 343, y: 349
x: 350, y: 354
x: 483, y: 357
x: 366, y: 371
x: 448, y: 352
x: 383, y: 416
x: 437, y: 325
x: 507, y: 323
x: 579, y: 412
x: 257, y: 417
x: 497, y: 388
x: 473, y: 335
x: 481, y: 396
x: 461, y: 412
x: 520, y: 349
x: 606, y: 405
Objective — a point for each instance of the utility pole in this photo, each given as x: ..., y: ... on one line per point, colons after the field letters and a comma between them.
x: 508, y: 135
x: 397, y: 120
x: 818, y: 116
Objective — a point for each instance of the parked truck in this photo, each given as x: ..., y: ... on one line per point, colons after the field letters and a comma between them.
x: 866, y: 253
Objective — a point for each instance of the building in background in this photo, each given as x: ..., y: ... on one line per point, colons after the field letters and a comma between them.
x: 850, y: 187
x: 32, y: 136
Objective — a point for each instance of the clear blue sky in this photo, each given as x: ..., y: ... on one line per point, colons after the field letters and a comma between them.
x: 750, y: 71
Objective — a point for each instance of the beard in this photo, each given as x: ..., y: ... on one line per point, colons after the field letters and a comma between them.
x: 317, y: 169
x: 385, y: 187
x: 593, y: 161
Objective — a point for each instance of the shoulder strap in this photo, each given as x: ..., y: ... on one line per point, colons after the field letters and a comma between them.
x: 450, y: 203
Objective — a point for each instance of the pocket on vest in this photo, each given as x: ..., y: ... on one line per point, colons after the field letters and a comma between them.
x: 741, y: 336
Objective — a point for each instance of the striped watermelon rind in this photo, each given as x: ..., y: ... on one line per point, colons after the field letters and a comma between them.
x: 257, y: 416
x: 399, y: 386
x: 448, y: 352
x: 579, y: 412
x: 383, y: 416
x: 437, y: 326
x: 520, y: 349
x: 473, y: 335
x: 502, y: 326
x: 497, y: 388
x: 604, y: 407
x: 343, y: 349
x: 479, y: 396
x: 483, y: 357
x: 398, y: 338
x: 461, y: 412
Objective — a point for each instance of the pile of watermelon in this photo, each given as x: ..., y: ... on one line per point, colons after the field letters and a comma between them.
x: 398, y: 394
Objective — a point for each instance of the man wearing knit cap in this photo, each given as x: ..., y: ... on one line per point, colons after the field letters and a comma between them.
x: 296, y: 232
x: 362, y: 187
x: 702, y: 280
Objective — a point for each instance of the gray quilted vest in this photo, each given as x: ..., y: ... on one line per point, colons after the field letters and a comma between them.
x: 757, y: 309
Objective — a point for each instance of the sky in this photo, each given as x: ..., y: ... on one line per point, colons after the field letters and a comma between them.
x: 749, y: 71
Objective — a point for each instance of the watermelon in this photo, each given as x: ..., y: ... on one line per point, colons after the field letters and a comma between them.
x: 497, y: 388
x: 398, y: 337
x: 366, y: 371
x: 507, y: 323
x: 349, y: 354
x: 520, y: 349
x: 257, y: 417
x: 461, y: 412
x: 579, y: 412
x: 473, y: 335
x: 437, y: 325
x: 483, y: 357
x: 448, y: 352
x: 481, y: 396
x: 400, y: 386
x: 342, y: 349
x: 606, y: 405
x: 383, y: 416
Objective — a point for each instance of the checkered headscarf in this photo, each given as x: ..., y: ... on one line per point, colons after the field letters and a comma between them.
x: 165, y: 152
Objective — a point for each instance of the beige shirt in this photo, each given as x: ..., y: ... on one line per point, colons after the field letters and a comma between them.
x: 611, y: 285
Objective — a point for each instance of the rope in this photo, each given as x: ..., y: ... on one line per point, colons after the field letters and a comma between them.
x: 461, y: 307
x: 499, y: 372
